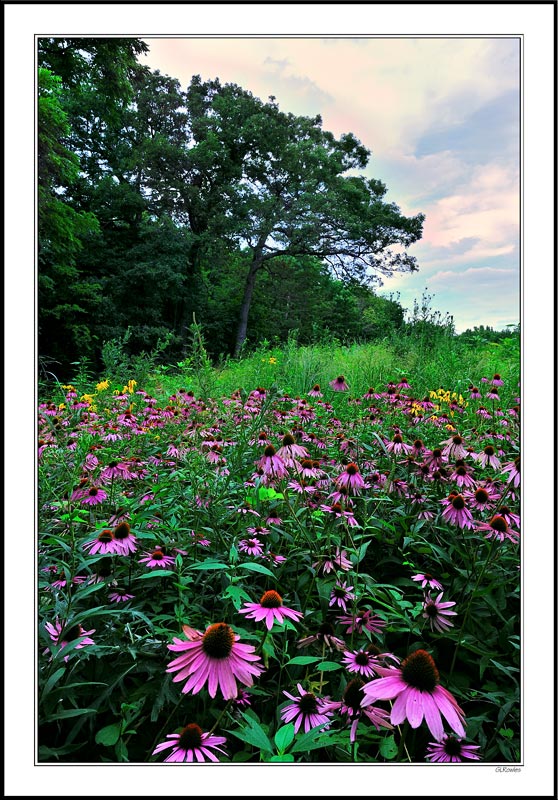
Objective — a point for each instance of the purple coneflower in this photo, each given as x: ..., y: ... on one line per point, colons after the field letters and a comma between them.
x: 324, y: 637
x: 427, y: 580
x: 251, y: 546
x: 272, y: 464
x: 125, y: 539
x: 492, y: 394
x: 61, y: 635
x: 327, y: 565
x: 497, y: 380
x: 435, y: 611
x: 451, y: 750
x: 339, y: 384
x: 365, y: 661
x: 93, y: 496
x: 339, y: 512
x: 351, y: 706
x: 157, y: 558
x: 191, y: 744
x: 115, y: 469
x: 510, y: 517
x: 488, y: 456
x: 418, y: 694
x: 307, y: 709
x: 463, y: 475
x: 120, y: 596
x: 103, y: 544
x: 270, y: 609
x: 513, y: 470
x: 351, y: 479
x: 315, y: 391
x: 397, y: 446
x: 474, y: 393
x: 340, y: 595
x: 456, y: 512
x: 290, y: 450
x: 498, y: 529
x: 454, y: 449
x: 362, y: 619
x: 215, y: 658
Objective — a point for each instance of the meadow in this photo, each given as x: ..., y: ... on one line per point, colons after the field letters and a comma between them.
x: 311, y: 554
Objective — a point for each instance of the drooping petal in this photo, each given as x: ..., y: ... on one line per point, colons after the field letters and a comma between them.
x: 414, y: 707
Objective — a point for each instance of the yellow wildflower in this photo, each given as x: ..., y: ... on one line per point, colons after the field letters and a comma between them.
x: 62, y: 406
x: 102, y: 385
x: 69, y: 387
x: 87, y: 398
x: 272, y: 360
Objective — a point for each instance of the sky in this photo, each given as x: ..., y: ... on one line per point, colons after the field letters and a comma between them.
x: 441, y: 117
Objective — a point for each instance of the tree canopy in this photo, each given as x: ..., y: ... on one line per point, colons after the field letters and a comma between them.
x: 157, y: 202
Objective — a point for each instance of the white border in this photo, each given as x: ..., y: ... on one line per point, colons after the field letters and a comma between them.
x: 535, y: 23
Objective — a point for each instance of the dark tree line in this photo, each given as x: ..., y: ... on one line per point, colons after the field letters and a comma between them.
x: 155, y: 203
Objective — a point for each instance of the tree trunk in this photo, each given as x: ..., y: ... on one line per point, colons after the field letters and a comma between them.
x: 256, y: 264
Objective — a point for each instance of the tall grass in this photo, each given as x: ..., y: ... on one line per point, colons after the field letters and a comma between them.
x: 443, y: 362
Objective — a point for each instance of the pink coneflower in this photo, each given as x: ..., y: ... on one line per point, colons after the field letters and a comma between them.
x: 307, y: 709
x: 498, y: 529
x: 362, y: 619
x: 397, y: 446
x: 215, y: 658
x: 340, y: 595
x: 510, y: 517
x: 338, y: 561
x: 61, y: 635
x: 418, y: 448
x: 351, y: 479
x: 455, y: 448
x: 351, y: 706
x: 436, y: 612
x: 403, y: 384
x: 323, y: 637
x: 365, y: 661
x: 463, y: 475
x: 426, y: 579
x: 474, y: 393
x: 456, y: 511
x: 310, y: 469
x: 115, y: 469
x: 103, y: 544
x: 272, y: 464
x: 125, y: 539
x: 418, y: 694
x: 93, y: 496
x: 492, y: 394
x: 451, y: 750
x: 339, y: 384
x: 434, y: 458
x: 513, y: 470
x: 274, y: 558
x: 497, y: 380
x: 157, y: 558
x: 271, y: 609
x: 251, y: 546
x: 258, y: 530
x: 290, y: 450
x: 120, y: 596
x: 191, y: 744
x: 301, y: 487
x: 315, y: 391
x: 341, y: 513
x: 488, y: 456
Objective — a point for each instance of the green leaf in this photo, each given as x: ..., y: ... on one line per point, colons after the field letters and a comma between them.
x: 155, y: 573
x: 71, y: 712
x: 209, y: 565
x: 388, y: 748
x: 254, y: 734
x: 302, y: 660
x: 284, y: 737
x: 283, y: 757
x: 328, y: 666
x: 108, y: 735
x: 314, y: 739
x: 54, y: 678
x: 256, y: 568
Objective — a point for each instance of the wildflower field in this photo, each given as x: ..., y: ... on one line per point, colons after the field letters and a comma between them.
x: 262, y: 576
